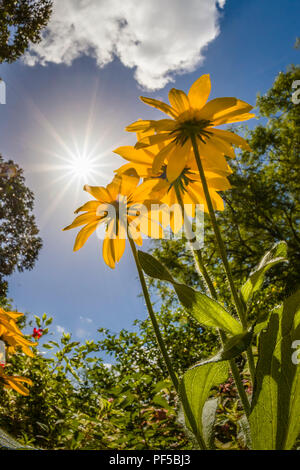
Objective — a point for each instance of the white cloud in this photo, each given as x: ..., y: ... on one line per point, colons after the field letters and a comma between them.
x: 60, y: 329
x: 81, y: 333
x: 85, y: 319
x: 157, y: 38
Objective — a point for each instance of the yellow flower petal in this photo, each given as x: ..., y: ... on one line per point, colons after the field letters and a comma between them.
x: 119, y: 246
x: 217, y: 182
x: 84, y: 234
x: 211, y: 157
x: 232, y: 138
x: 153, y: 140
x: 88, y: 207
x: 165, y: 108
x: 234, y: 117
x: 128, y: 183
x: 197, y: 191
x: 107, y: 253
x: 179, y: 100
x: 199, y: 92
x: 82, y: 219
x: 14, y: 383
x: 113, y: 247
x: 13, y: 315
x: 133, y: 155
x: 163, y: 125
x: 223, y: 146
x: 144, y: 190
x: 144, y: 171
x: 216, y: 106
x: 139, y: 125
x: 160, y: 158
x: 176, y: 163
x: 98, y: 192
x: 225, y: 116
x: 148, y: 127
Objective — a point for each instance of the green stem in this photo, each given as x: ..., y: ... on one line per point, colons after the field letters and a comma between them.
x: 163, y: 349
x: 213, y: 293
x: 196, y: 252
x: 222, y: 251
x: 218, y: 236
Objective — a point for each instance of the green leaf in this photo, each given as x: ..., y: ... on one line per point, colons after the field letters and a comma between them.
x: 233, y: 347
x: 208, y: 421
x: 154, y: 268
x: 277, y: 254
x: 195, y: 387
x: 245, y: 432
x: 161, y: 401
x: 205, y: 310
x: 275, y: 409
x: 9, y: 443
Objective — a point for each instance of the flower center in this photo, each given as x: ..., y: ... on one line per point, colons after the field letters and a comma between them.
x: 181, y: 182
x: 191, y: 127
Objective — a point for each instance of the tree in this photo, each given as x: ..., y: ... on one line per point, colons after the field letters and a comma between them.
x: 78, y: 402
x: 21, y: 23
x: 19, y: 240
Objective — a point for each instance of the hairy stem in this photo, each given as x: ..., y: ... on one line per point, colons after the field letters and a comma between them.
x: 163, y: 349
x: 196, y: 251
x: 222, y: 251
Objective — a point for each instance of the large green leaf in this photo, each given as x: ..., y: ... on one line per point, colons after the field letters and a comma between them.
x: 275, y: 415
x: 208, y: 421
x: 205, y: 310
x: 277, y: 254
x: 195, y: 386
x: 9, y: 443
x: 233, y: 347
x: 245, y: 432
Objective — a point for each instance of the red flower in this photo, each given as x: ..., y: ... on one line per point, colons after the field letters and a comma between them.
x: 37, y: 333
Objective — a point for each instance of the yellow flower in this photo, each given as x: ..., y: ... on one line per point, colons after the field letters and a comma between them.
x: 15, y: 382
x: 192, y: 115
x: 12, y: 335
x: 142, y: 159
x: 187, y: 183
x: 118, y: 206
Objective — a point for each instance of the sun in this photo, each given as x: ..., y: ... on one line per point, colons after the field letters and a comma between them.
x: 81, y: 167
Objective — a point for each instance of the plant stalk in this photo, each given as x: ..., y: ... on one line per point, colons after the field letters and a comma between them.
x: 196, y: 251
x: 222, y: 251
x: 162, y: 347
x: 213, y: 293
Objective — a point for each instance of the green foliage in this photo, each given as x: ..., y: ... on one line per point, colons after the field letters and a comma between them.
x: 79, y: 402
x: 232, y: 348
x: 19, y: 240
x: 21, y: 23
x: 276, y: 255
x: 196, y: 385
x: 275, y: 412
x: 205, y: 310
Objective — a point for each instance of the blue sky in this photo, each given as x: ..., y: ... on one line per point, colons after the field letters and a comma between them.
x: 84, y: 96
